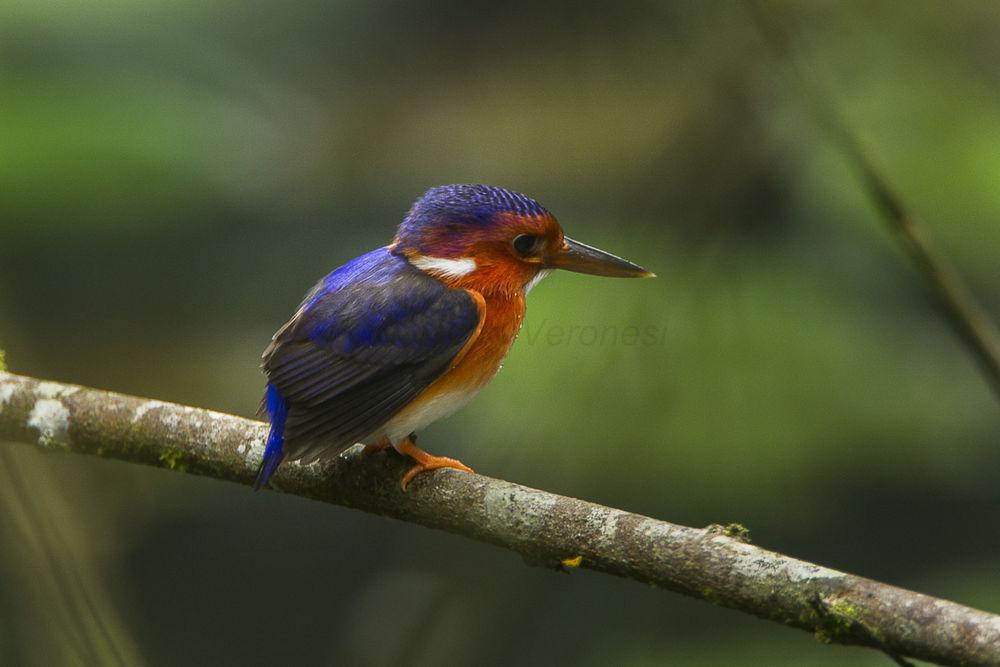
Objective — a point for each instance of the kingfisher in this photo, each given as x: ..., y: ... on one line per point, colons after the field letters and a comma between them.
x: 407, y: 334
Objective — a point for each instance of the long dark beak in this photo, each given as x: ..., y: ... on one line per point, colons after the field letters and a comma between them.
x: 579, y: 257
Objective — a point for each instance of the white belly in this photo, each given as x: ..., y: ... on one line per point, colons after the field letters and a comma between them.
x: 420, y: 414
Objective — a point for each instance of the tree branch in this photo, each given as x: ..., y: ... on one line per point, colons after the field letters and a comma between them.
x: 715, y: 563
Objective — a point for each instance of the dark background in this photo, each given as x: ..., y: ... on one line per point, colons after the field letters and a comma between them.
x: 175, y: 175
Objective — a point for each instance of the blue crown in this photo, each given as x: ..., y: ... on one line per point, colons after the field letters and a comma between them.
x: 468, y: 204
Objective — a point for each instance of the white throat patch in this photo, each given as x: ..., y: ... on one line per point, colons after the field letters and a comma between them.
x: 443, y: 266
x: 528, y: 286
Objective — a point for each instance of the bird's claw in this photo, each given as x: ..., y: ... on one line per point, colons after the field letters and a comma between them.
x: 432, y: 463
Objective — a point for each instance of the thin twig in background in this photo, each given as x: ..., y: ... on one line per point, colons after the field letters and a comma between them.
x: 70, y: 604
x: 715, y: 563
x: 966, y: 316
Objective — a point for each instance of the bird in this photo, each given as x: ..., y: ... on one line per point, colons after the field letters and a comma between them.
x: 407, y: 334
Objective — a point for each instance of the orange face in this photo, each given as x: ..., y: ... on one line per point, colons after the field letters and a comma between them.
x: 512, y: 249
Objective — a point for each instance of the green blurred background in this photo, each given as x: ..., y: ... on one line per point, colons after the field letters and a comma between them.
x: 175, y: 175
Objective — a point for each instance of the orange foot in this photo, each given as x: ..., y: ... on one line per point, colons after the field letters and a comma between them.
x: 425, y: 461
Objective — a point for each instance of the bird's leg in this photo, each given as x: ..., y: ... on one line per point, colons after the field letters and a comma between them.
x: 376, y: 446
x: 424, y: 460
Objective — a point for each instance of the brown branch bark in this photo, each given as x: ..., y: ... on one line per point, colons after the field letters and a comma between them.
x: 715, y: 563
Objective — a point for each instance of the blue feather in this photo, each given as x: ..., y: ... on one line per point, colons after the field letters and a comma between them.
x: 364, y: 342
x: 277, y: 410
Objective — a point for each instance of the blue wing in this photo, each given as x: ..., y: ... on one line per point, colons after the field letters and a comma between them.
x: 365, y: 342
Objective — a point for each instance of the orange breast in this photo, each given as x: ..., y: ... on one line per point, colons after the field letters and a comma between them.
x: 480, y: 360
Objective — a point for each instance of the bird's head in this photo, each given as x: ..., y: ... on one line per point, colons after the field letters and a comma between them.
x: 490, y: 238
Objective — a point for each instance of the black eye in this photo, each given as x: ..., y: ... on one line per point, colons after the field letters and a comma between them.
x: 525, y: 244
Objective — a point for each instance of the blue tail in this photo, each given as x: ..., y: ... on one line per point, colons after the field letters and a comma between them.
x: 277, y: 410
